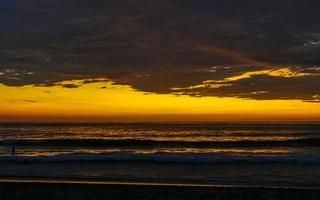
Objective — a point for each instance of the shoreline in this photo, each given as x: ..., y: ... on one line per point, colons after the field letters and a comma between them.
x: 159, y: 173
x: 65, y: 181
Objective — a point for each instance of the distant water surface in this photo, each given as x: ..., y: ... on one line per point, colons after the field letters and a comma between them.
x: 285, y: 145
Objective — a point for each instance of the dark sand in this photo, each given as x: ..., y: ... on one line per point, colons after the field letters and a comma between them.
x: 76, y: 191
x: 273, y: 174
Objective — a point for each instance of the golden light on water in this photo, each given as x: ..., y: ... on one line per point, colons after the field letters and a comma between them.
x: 106, y: 101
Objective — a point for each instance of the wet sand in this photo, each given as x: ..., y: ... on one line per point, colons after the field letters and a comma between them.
x: 77, y: 191
x: 278, y: 175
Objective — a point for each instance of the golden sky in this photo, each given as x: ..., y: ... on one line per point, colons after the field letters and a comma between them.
x: 106, y: 101
x: 159, y: 60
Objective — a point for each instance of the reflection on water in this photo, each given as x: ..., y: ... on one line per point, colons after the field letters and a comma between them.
x: 64, y: 140
x: 200, y: 132
x: 238, y: 154
x: 42, y: 151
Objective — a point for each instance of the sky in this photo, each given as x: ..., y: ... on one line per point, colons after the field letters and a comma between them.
x: 164, y: 60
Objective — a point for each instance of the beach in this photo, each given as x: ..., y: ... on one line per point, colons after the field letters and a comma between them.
x: 82, y: 191
x: 235, y: 174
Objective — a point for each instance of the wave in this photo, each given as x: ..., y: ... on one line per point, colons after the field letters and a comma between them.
x: 163, y: 158
x: 310, y: 142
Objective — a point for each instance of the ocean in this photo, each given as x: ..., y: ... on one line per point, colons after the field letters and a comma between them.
x: 281, y: 155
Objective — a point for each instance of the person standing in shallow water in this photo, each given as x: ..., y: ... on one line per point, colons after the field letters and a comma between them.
x: 13, y: 151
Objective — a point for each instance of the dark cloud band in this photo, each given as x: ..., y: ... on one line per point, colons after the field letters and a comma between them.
x: 155, y: 46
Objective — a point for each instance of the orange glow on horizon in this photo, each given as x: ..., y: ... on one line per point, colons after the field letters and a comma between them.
x: 105, y: 101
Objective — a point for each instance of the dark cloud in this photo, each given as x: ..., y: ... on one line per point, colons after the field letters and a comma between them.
x: 69, y: 85
x: 22, y: 100
x: 30, y: 101
x: 72, y: 83
x: 158, y: 45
